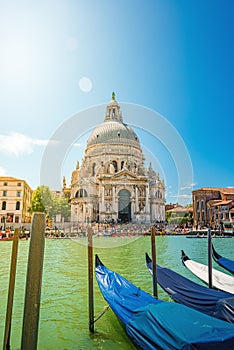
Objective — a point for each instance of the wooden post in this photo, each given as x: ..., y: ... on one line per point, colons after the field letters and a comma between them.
x: 11, y: 289
x: 153, y: 248
x: 33, y: 283
x: 90, y: 276
x: 209, y: 258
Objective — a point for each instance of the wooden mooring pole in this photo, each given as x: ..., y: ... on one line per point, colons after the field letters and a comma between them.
x: 33, y: 283
x: 11, y: 289
x: 153, y: 248
x: 209, y: 258
x: 90, y: 276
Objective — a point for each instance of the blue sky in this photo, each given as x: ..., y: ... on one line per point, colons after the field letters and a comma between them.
x: 173, y: 57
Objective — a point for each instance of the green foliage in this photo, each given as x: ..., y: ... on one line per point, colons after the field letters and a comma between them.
x: 178, y: 218
x: 168, y: 216
x: 189, y: 205
x: 37, y: 203
x: 61, y: 206
x: 44, y: 201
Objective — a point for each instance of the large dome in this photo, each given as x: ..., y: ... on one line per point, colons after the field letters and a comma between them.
x: 113, y: 132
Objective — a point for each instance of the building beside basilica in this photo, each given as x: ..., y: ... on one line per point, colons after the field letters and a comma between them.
x: 112, y: 183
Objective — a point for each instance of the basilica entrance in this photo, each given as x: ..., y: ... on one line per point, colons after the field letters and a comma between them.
x: 124, y: 207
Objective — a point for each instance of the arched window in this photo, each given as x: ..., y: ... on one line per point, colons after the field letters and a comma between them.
x: 17, y: 207
x: 115, y: 165
x: 4, y: 205
x: 81, y: 193
x: 122, y: 164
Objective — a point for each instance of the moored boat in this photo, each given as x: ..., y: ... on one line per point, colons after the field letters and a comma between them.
x: 227, y: 264
x: 182, y: 290
x: 220, y: 280
x: 156, y: 324
x: 4, y: 239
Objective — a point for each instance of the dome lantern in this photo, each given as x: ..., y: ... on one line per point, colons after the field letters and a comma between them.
x: 113, y: 112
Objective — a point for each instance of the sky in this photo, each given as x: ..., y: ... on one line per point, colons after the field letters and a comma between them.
x: 165, y: 58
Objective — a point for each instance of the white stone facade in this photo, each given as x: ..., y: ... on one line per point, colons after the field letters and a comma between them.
x: 112, y: 183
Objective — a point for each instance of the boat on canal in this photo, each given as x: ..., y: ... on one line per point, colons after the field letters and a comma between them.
x: 226, y: 263
x: 184, y: 291
x: 156, y: 324
x: 220, y: 280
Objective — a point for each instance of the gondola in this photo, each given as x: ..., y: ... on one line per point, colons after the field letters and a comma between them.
x: 184, y: 291
x: 156, y: 324
x: 220, y: 280
x: 227, y: 264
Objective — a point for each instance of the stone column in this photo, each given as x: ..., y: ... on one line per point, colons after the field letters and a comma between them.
x: 147, y: 200
x: 103, y: 194
x: 113, y: 196
x: 137, y: 203
x: 115, y: 208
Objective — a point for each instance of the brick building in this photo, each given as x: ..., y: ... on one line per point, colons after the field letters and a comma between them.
x: 213, y: 206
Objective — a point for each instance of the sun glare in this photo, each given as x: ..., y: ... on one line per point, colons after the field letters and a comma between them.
x: 22, y: 56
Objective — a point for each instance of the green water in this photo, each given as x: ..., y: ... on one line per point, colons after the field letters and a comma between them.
x: 64, y: 299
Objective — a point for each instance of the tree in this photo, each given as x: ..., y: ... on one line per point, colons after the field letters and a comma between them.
x: 42, y: 200
x: 168, y: 216
x: 62, y: 206
x: 36, y: 202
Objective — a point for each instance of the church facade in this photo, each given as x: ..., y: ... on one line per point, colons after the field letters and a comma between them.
x: 112, y: 183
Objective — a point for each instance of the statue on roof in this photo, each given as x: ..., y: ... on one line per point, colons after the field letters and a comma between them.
x: 113, y: 96
x: 64, y: 182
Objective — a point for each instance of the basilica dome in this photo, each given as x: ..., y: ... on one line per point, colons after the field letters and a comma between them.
x: 113, y: 130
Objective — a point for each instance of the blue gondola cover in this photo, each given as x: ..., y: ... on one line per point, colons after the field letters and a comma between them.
x: 226, y: 263
x: 210, y: 301
x: 155, y: 324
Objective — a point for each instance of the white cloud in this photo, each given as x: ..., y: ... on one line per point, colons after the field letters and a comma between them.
x: 187, y: 195
x: 188, y: 186
x: 184, y: 196
x: 16, y: 144
x: 2, y: 171
x: 78, y: 145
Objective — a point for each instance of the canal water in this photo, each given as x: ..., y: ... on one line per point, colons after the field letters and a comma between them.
x: 64, y: 299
